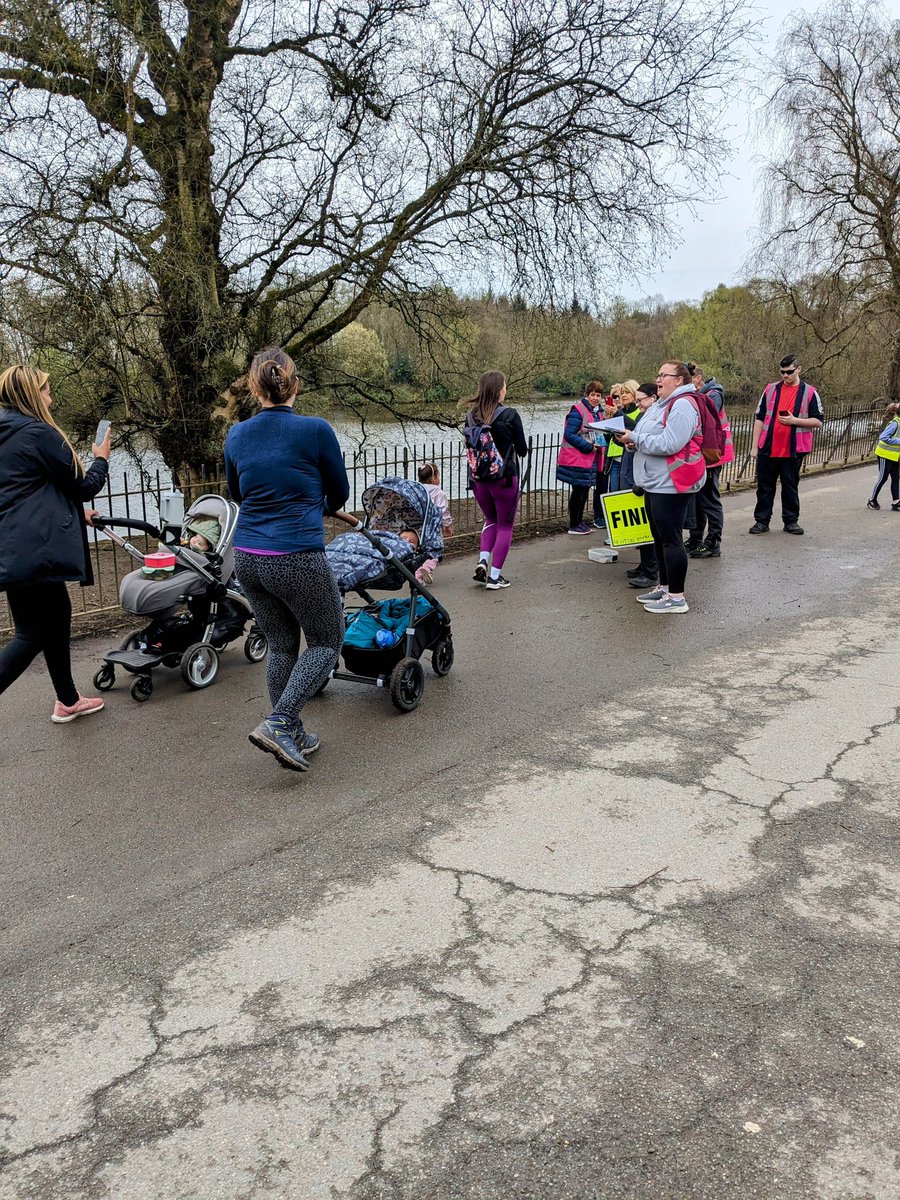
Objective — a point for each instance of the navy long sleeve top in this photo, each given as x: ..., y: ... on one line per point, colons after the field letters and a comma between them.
x: 285, y: 471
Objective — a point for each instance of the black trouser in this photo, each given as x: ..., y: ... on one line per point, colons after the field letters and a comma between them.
x: 665, y: 512
x: 769, y: 471
x: 601, y: 487
x: 649, y: 565
x: 577, y: 501
x: 888, y: 469
x: 709, y: 517
x: 42, y: 615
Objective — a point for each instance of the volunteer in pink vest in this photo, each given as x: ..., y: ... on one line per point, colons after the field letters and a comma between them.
x: 669, y: 469
x: 787, y: 415
x: 707, y: 522
x: 581, y: 454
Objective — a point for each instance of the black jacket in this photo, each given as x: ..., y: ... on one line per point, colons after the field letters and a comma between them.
x: 509, y: 435
x: 43, y: 537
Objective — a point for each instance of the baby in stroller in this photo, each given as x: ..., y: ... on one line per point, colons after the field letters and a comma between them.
x: 407, y: 524
x: 192, y: 609
x: 385, y: 640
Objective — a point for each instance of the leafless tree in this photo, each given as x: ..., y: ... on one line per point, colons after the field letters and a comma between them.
x: 833, y: 186
x: 195, y: 178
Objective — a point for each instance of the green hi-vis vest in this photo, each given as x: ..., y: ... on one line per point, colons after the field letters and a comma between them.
x: 616, y: 449
x: 885, y: 449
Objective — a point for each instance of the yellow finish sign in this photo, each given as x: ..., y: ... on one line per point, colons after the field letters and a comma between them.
x: 626, y: 519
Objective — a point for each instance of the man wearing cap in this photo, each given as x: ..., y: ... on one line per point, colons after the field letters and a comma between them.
x: 787, y: 415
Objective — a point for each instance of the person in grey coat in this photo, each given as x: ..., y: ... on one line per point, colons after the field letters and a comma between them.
x: 669, y: 468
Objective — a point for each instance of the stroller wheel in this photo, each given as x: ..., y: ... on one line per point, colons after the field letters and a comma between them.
x: 199, y: 665
x: 407, y: 684
x: 442, y: 656
x: 256, y: 647
x: 105, y: 678
x: 133, y: 641
x: 142, y: 688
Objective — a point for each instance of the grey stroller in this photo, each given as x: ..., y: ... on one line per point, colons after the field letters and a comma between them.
x: 192, y: 615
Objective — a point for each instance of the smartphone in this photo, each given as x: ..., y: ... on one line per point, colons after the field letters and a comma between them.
x: 101, y: 432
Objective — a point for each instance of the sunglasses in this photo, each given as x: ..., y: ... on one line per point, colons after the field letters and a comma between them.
x: 789, y: 371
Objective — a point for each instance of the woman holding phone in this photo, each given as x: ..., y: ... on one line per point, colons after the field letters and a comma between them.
x: 43, y: 533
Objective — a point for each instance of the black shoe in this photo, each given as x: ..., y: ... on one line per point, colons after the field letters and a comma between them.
x: 710, y: 549
x: 793, y: 528
x: 642, y: 581
x: 873, y: 504
x: 275, y: 735
x: 634, y: 572
x: 759, y: 528
x: 481, y: 571
x: 494, y: 585
x: 895, y: 507
x: 693, y: 544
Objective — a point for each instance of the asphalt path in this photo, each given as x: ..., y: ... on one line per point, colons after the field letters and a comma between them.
x: 613, y: 913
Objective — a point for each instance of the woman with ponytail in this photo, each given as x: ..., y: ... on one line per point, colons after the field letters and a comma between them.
x: 43, y: 534
x: 286, y: 471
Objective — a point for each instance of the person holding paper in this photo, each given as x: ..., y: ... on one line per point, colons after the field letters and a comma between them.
x: 578, y: 455
x: 670, y: 468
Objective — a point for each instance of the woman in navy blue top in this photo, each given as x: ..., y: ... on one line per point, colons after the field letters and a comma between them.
x: 286, y: 471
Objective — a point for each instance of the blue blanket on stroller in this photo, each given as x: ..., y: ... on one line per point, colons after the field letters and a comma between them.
x: 354, y: 560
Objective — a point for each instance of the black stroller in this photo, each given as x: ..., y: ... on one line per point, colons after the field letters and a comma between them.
x: 408, y: 628
x: 193, y: 614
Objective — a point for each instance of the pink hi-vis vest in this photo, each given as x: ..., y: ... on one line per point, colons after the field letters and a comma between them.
x: 687, y: 466
x: 728, y: 452
x: 803, y: 438
x: 569, y: 456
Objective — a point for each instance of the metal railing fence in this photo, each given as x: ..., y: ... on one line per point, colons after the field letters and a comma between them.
x: 846, y: 438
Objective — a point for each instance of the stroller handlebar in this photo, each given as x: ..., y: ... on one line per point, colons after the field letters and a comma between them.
x: 348, y: 519
x: 101, y: 522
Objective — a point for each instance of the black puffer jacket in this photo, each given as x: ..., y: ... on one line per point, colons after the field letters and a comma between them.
x: 43, y: 537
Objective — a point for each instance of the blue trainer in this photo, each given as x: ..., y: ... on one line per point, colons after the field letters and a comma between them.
x: 276, y: 735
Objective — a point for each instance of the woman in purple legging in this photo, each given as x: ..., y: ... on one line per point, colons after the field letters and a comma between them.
x: 498, y: 496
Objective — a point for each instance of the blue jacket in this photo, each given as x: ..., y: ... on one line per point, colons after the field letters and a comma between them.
x: 285, y: 471
x: 579, y: 476
x: 43, y: 537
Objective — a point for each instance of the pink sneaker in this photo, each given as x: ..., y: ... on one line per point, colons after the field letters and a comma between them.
x: 82, y: 706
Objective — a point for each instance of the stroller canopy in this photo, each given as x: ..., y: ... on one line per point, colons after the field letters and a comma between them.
x: 398, y: 504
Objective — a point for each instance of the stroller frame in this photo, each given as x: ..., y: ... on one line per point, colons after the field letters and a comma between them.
x: 199, y: 661
x: 405, y: 678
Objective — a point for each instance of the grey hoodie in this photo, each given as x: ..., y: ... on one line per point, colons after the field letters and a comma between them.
x: 656, y: 441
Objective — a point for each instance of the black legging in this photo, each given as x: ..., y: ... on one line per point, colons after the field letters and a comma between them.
x: 665, y: 513
x: 294, y: 595
x: 888, y: 469
x: 577, y: 501
x: 42, y: 615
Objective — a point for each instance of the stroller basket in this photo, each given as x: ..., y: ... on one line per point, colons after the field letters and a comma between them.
x: 363, y: 656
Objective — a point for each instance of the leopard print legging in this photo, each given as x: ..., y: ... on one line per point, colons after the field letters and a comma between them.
x: 294, y: 594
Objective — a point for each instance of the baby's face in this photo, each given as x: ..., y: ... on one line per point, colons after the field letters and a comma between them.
x: 409, y: 536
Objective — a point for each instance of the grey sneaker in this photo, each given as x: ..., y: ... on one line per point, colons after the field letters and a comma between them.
x: 275, y: 735
x: 651, y: 597
x: 668, y: 605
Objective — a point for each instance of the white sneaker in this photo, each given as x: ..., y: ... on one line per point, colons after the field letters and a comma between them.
x: 668, y: 605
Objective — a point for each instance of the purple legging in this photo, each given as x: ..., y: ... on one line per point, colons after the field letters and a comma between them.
x: 498, y: 501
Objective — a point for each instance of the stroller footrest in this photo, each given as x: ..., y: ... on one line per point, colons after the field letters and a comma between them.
x: 133, y: 660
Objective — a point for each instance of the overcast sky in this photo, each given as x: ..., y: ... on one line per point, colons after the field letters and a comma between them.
x: 717, y: 241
